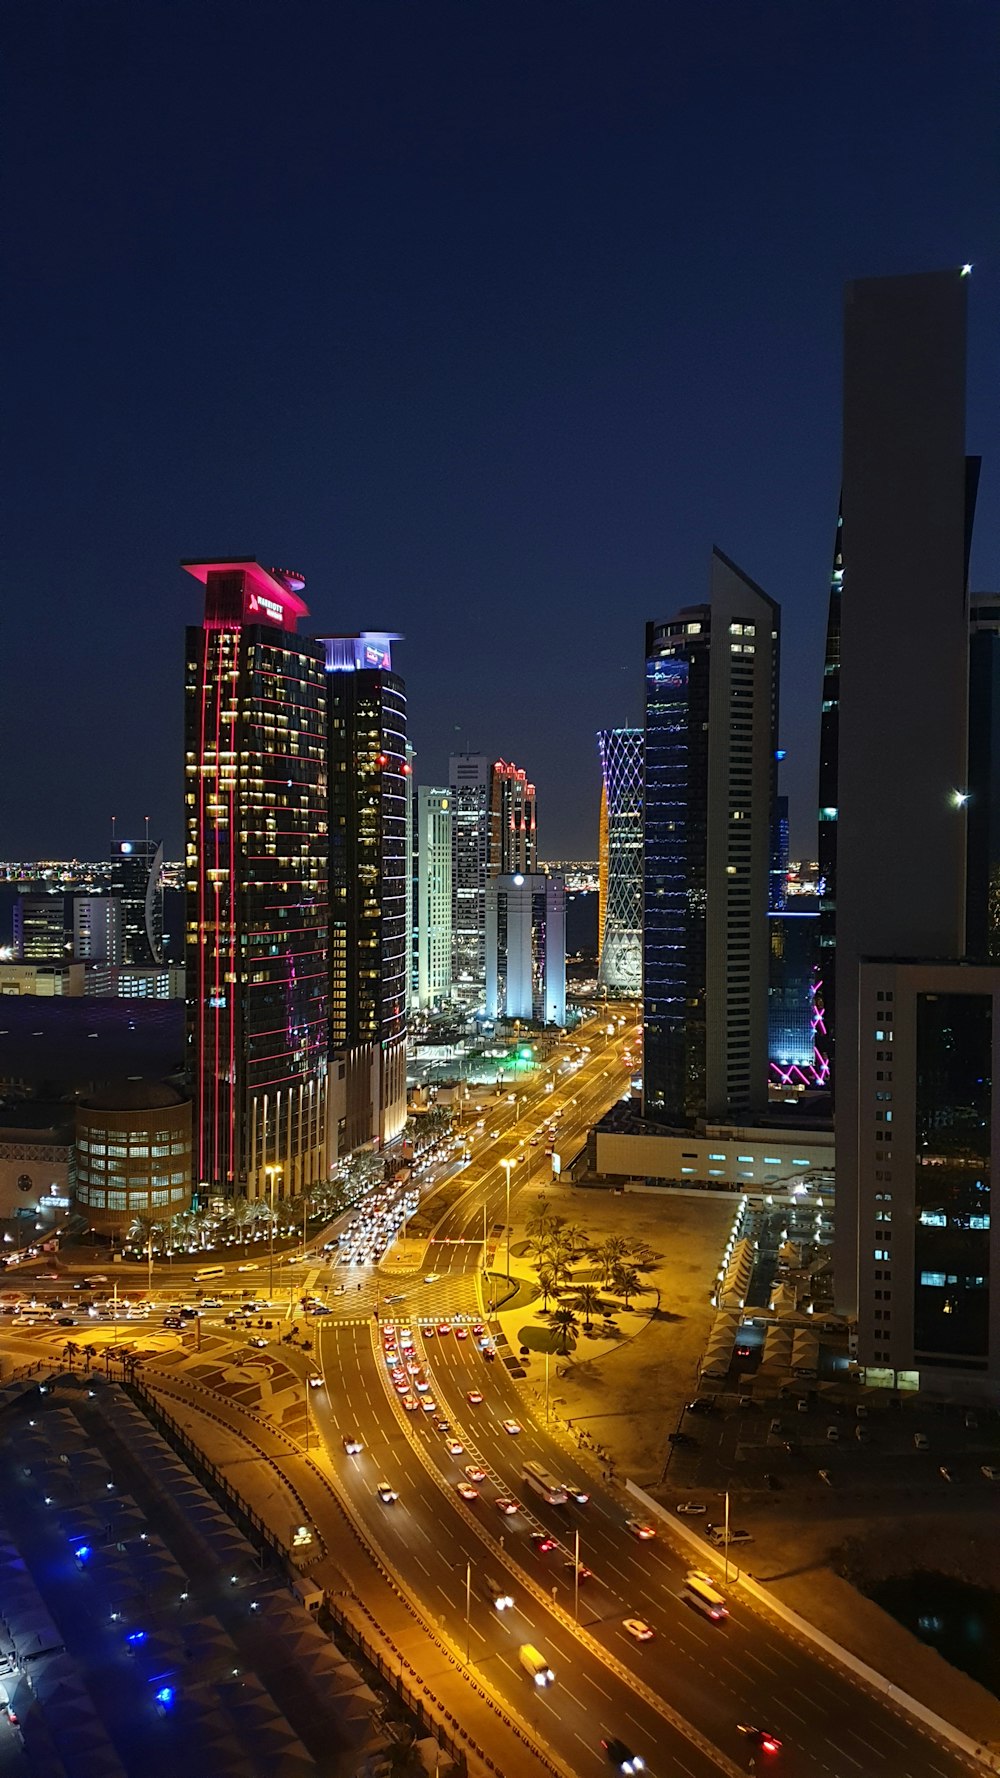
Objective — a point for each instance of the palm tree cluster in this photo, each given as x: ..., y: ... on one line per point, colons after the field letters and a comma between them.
x: 556, y: 1244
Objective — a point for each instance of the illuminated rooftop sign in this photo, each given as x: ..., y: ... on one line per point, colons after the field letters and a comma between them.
x: 239, y: 590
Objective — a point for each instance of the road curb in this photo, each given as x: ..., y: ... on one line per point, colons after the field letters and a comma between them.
x: 877, y: 1682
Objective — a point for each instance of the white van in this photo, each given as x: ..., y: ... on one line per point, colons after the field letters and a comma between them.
x: 701, y: 1592
x: 534, y: 1662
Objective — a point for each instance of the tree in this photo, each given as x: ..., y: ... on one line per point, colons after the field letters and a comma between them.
x: 588, y: 1302
x: 610, y: 1254
x: 404, y: 1759
x: 70, y: 1351
x: 540, y: 1221
x: 565, y: 1320
x: 628, y: 1282
x: 539, y: 1247
x: 548, y: 1283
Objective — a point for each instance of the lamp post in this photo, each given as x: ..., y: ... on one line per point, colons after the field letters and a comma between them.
x: 508, y: 1167
x: 270, y: 1172
x: 726, y: 1557
x: 547, y: 1357
x: 576, y: 1578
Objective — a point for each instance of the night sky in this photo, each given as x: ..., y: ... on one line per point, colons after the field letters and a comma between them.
x: 491, y: 317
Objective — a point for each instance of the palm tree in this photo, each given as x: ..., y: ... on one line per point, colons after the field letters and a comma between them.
x: 628, y: 1282
x: 589, y: 1302
x: 405, y: 1760
x: 548, y: 1283
x: 540, y: 1221
x: 539, y: 1246
x: 610, y: 1254
x: 565, y: 1320
x: 70, y: 1351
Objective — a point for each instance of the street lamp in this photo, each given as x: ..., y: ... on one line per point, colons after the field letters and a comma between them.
x: 508, y: 1166
x: 270, y: 1172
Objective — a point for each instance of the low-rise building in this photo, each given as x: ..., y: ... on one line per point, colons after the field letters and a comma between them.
x: 133, y: 1155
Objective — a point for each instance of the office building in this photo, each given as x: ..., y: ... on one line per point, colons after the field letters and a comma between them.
x: 411, y: 865
x: 829, y: 798
x: 135, y: 879
x: 794, y: 1020
x: 982, y: 901
x: 256, y: 876
x: 620, y: 866
x: 513, y: 839
x: 526, y: 948
x: 927, y: 1143
x: 97, y: 929
x: 495, y: 830
x: 133, y: 1155
x: 40, y: 934
x: 368, y: 885
x: 907, y: 500
x: 708, y: 801
x: 434, y: 902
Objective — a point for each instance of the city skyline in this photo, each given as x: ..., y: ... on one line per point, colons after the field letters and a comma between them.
x: 537, y: 431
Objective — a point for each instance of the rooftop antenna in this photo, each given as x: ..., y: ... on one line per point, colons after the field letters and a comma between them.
x: 146, y: 819
x: 114, y: 818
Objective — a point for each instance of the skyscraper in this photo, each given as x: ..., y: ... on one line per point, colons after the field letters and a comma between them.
x: 368, y: 884
x: 40, y: 928
x: 620, y: 912
x: 982, y: 904
x: 494, y: 831
x: 434, y: 902
x: 829, y: 797
x: 526, y: 948
x: 256, y: 881
x: 908, y: 496
x: 135, y: 880
x: 708, y: 799
x: 97, y: 929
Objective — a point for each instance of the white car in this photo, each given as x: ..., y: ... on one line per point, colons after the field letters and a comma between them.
x: 386, y: 1493
x: 512, y: 1427
x: 991, y: 1473
x: 690, y: 1506
x: 352, y: 1444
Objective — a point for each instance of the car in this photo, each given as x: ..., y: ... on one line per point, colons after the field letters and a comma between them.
x: 421, y: 1385
x: 861, y: 1433
x: 640, y: 1529
x: 578, y: 1495
x: 582, y: 1573
x: 428, y: 1333
x: 824, y: 1476
x: 622, y: 1756
x: 497, y: 1592
x: 638, y: 1629
x: 921, y: 1442
x: 402, y: 1385
x: 762, y: 1738
x: 429, y: 1406
x: 65, y: 1321
x: 990, y: 1471
x: 467, y: 1491
x: 690, y: 1506
x: 478, y: 1329
x: 461, y: 1333
x: 773, y: 1482
x: 474, y: 1473
x: 703, y: 1404
x: 971, y: 1422
x: 443, y: 1425
x: 352, y: 1444
x: 431, y: 1277
x: 775, y: 1427
x: 474, y: 1398
x: 488, y: 1354
x: 386, y: 1493
x: 861, y: 1411
x: 173, y: 1321
x: 543, y: 1542
x: 802, y: 1406
x: 719, y: 1535
x: 258, y: 1341
x: 945, y: 1473
x: 507, y: 1507
x: 444, y: 1327
x: 680, y: 1438
x: 512, y: 1427
x: 411, y: 1403
x: 455, y: 1447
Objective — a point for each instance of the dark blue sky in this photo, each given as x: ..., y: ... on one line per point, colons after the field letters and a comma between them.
x: 492, y: 318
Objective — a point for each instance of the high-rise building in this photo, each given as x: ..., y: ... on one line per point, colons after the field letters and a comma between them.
x: 411, y: 853
x: 97, y: 929
x: 40, y: 928
x: 135, y: 880
x: 793, y: 1018
x: 434, y: 902
x: 829, y: 797
x: 368, y: 884
x: 620, y: 866
x: 708, y: 801
x: 512, y: 843
x: 469, y: 789
x: 526, y: 948
x: 982, y: 901
x: 908, y: 496
x: 256, y: 880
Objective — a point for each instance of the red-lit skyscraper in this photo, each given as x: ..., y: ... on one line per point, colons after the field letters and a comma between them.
x: 256, y: 879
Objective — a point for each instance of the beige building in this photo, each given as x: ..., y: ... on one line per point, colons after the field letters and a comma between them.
x: 44, y: 979
x: 133, y: 1155
x: 722, y: 1157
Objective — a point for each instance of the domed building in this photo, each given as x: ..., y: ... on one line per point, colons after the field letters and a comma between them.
x: 133, y: 1155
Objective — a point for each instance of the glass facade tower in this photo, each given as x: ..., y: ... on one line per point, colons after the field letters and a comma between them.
x: 620, y: 917
x: 255, y: 873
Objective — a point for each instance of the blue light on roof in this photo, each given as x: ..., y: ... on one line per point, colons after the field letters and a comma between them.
x: 165, y: 1696
x: 136, y: 1636
x: 82, y: 1552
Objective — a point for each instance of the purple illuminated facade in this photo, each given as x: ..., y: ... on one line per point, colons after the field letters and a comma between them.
x: 256, y: 882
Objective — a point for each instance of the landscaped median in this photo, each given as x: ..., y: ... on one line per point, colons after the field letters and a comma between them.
x: 802, y: 1627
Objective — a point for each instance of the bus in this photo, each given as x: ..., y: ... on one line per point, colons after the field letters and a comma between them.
x: 209, y: 1272
x: 701, y: 1592
x: 544, y: 1484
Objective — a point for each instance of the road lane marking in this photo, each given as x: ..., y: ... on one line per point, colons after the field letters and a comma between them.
x: 843, y: 1755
